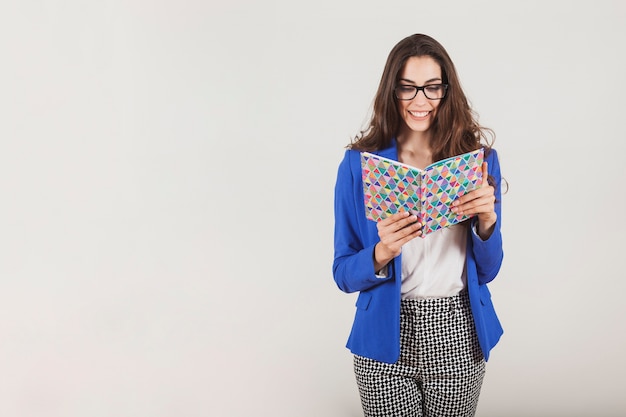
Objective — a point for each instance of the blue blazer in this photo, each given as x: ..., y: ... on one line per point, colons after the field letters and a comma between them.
x: 376, y: 329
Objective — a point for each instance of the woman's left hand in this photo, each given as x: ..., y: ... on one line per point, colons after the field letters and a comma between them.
x: 480, y: 202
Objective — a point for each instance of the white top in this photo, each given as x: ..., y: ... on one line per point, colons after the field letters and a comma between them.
x: 434, y: 266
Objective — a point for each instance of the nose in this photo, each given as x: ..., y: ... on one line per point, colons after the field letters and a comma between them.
x: 420, y: 97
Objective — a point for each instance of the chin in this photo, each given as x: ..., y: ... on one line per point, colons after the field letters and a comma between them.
x: 419, y: 128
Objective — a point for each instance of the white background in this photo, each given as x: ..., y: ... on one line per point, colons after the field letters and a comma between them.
x: 167, y: 173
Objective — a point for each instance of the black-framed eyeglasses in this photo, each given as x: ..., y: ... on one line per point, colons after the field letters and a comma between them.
x: 431, y: 91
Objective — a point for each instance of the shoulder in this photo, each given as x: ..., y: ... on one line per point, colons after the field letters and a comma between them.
x: 349, y: 168
x: 491, y: 154
x: 492, y: 159
x: 351, y: 158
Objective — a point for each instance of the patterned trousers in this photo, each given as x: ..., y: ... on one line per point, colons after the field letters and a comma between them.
x: 440, y: 369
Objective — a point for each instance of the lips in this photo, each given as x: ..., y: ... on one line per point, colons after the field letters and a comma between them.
x: 419, y: 114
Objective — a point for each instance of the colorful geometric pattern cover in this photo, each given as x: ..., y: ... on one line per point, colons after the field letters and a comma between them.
x: 390, y: 185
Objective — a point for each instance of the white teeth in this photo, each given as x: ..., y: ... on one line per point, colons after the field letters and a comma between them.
x: 419, y: 113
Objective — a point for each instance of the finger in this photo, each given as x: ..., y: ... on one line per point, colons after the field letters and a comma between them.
x: 392, y: 219
x: 466, y: 198
x: 400, y: 229
x: 405, y: 234
x: 399, y: 220
x: 473, y: 194
x: 393, y: 241
x: 485, y: 173
x: 409, y: 223
x: 411, y: 236
x: 477, y: 201
x: 476, y: 207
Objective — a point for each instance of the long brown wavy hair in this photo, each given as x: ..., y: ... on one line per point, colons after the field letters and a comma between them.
x: 455, y: 129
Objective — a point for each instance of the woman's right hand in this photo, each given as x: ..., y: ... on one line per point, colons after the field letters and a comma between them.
x: 394, y: 231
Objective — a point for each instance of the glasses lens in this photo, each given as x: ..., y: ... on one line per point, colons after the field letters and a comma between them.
x: 435, y: 91
x: 405, y: 92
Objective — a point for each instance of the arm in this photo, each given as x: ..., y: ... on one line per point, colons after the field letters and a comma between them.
x: 394, y: 231
x: 362, y: 248
x: 353, y: 266
x: 485, y: 202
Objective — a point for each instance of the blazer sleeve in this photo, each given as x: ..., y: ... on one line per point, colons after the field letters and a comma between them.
x: 354, y: 237
x: 489, y: 253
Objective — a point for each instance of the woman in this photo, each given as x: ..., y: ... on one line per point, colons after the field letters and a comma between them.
x: 424, y: 323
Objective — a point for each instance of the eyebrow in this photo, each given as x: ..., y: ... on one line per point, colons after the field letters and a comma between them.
x: 427, y: 81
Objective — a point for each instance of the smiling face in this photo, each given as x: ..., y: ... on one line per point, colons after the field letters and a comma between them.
x: 418, y: 113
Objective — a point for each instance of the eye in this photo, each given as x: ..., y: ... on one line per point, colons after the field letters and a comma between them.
x: 405, y: 92
x: 434, y: 88
x: 435, y: 91
x: 406, y: 88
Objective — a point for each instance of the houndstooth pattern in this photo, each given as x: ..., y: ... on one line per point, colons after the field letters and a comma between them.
x: 440, y: 369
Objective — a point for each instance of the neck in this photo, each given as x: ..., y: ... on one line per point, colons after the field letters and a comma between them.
x: 414, y: 149
x: 414, y: 142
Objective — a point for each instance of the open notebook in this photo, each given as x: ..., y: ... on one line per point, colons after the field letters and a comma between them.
x: 390, y: 186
